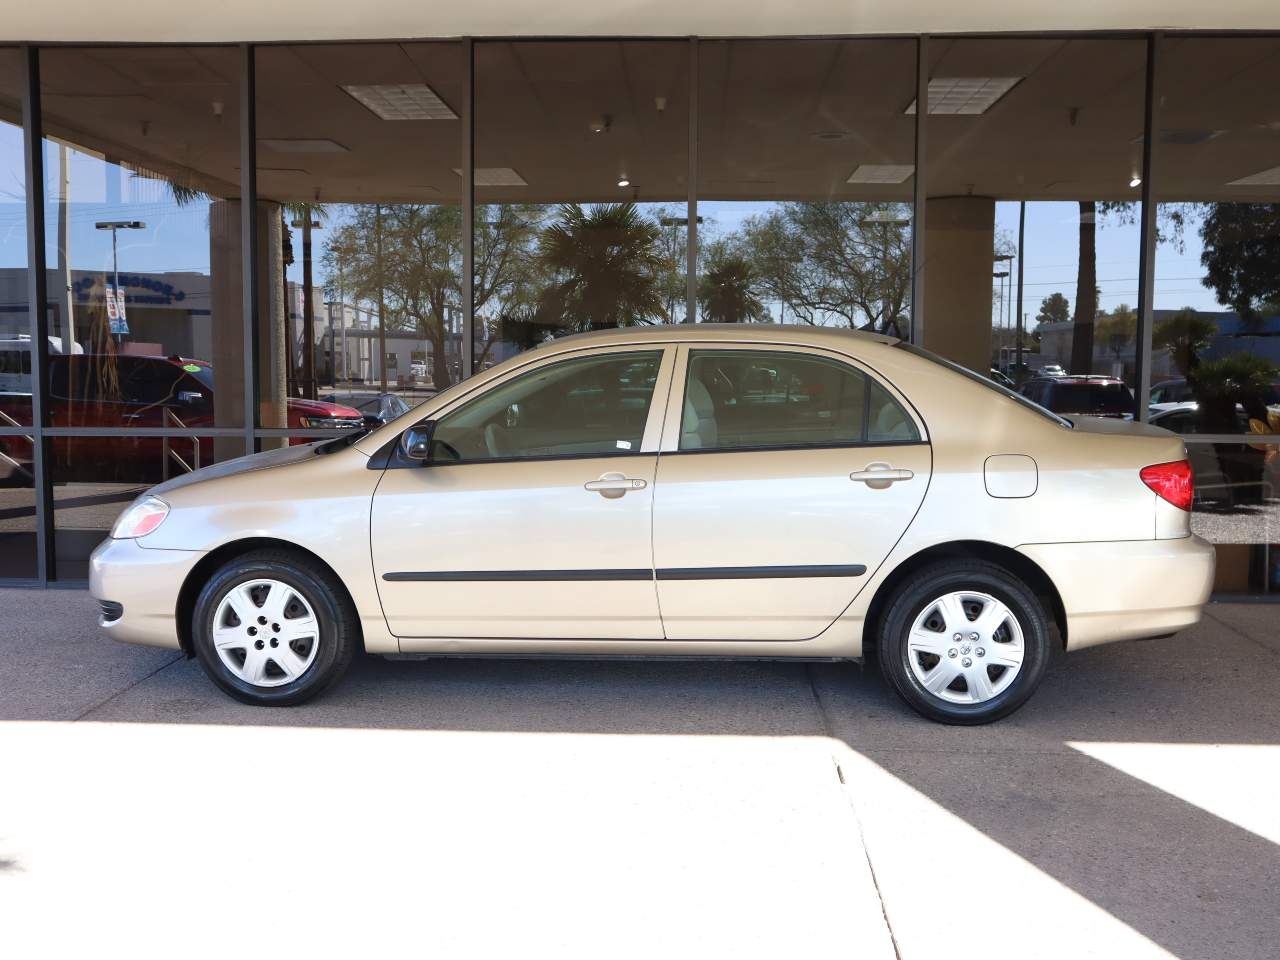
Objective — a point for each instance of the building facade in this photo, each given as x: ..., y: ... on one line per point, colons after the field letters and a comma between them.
x: 305, y: 205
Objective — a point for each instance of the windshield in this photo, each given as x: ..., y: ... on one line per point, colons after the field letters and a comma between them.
x: 984, y: 381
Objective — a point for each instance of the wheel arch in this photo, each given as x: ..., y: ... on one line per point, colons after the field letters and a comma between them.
x: 215, y: 558
x: 1016, y: 563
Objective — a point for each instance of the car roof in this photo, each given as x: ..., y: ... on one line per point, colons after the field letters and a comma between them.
x: 729, y: 332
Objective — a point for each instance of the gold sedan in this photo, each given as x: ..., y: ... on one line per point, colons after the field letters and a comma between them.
x: 752, y: 490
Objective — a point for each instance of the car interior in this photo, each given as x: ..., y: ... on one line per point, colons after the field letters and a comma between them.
x: 744, y: 399
x: 580, y: 407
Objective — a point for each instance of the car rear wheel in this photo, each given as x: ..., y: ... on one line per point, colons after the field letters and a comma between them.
x: 273, y: 628
x: 964, y: 642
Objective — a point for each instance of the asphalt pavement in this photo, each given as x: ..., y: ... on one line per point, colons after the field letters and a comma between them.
x: 500, y: 808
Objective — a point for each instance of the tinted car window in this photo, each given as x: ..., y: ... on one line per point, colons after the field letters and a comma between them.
x: 584, y: 407
x: 742, y: 399
x: 1072, y: 397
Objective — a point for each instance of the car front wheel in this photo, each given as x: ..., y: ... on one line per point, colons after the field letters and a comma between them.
x: 274, y: 629
x: 964, y: 642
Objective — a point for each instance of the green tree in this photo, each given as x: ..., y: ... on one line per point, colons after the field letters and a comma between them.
x: 726, y: 292
x: 1117, y: 328
x: 605, y: 265
x: 419, y: 272
x: 1185, y: 335
x: 1054, y: 309
x: 1241, y: 255
x: 820, y: 260
x: 1238, y: 378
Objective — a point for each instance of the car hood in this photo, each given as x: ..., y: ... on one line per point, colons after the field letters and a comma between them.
x: 257, y: 461
x: 321, y: 408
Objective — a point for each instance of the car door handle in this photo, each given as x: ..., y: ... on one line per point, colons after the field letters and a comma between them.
x: 614, y: 485
x: 880, y: 476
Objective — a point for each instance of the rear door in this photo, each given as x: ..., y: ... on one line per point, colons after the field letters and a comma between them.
x: 787, y: 475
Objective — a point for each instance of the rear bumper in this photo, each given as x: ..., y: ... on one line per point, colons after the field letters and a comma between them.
x: 145, y: 583
x: 1129, y: 589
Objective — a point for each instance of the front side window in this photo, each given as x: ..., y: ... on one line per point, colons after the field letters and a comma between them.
x: 744, y: 399
x: 590, y: 406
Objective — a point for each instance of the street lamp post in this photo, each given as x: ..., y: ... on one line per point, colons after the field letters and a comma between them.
x: 114, y: 226
x: 308, y: 387
x: 1006, y: 303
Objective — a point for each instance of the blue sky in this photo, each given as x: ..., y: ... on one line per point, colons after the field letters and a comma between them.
x: 176, y: 238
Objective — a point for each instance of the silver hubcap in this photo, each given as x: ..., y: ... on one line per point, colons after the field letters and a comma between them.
x: 965, y: 647
x: 266, y: 633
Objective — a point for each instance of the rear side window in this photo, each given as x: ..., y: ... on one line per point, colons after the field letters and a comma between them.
x: 748, y: 399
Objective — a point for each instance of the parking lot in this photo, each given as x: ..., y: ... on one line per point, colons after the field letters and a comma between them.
x: 482, y: 808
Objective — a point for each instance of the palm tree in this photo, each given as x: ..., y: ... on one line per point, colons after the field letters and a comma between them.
x: 726, y: 294
x: 606, y: 267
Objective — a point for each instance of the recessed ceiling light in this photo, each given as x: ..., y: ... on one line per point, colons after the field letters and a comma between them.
x: 1135, y: 182
x: 302, y: 145
x: 881, y: 173
x: 401, y: 101
x: 1263, y: 178
x: 965, y: 96
x: 496, y: 177
x: 623, y: 181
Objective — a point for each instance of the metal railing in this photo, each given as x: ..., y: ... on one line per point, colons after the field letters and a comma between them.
x: 168, y: 454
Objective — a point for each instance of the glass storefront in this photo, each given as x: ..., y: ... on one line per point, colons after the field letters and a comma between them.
x: 805, y: 178
x: 602, y: 172
x: 359, y: 184
x: 581, y: 189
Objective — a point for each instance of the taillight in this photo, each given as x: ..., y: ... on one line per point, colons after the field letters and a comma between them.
x: 1171, y: 481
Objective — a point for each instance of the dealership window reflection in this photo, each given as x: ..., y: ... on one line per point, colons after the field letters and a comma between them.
x: 358, y: 151
x: 805, y: 179
x: 581, y: 182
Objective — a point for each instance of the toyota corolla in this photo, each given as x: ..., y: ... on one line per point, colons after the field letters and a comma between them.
x: 735, y: 491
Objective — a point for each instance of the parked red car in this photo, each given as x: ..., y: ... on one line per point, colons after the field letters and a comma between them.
x: 87, y: 390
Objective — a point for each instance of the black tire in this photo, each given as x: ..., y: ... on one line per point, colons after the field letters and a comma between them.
x: 921, y: 591
x: 335, y: 644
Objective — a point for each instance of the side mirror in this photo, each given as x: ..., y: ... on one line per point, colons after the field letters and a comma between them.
x: 415, y: 443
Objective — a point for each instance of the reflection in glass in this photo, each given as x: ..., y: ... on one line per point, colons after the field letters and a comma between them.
x: 1237, y: 498
x: 17, y: 508
x: 15, y: 318
x: 805, y: 180
x: 1034, y: 172
x: 96, y: 478
x: 142, y: 211
x: 359, y: 189
x: 581, y: 186
x: 1216, y: 332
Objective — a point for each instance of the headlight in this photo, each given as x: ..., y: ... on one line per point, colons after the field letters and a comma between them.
x: 140, y: 519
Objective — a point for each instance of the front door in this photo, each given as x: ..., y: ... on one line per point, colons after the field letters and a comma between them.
x: 533, y: 517
x: 789, y: 479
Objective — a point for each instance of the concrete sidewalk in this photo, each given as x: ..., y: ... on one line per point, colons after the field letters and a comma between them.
x: 492, y: 808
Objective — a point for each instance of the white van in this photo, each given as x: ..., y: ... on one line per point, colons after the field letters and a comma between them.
x: 15, y: 361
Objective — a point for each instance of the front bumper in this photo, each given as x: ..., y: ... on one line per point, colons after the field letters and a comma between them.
x: 146, y: 584
x: 1129, y: 589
